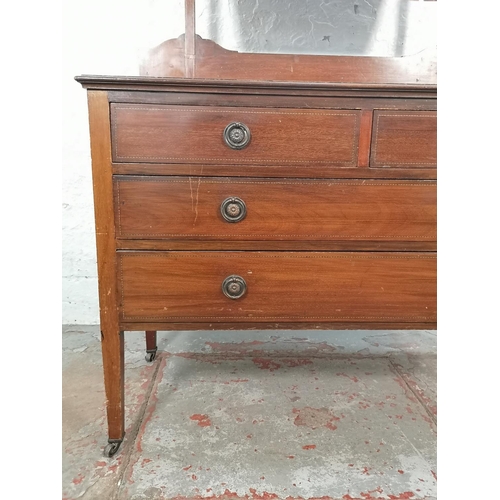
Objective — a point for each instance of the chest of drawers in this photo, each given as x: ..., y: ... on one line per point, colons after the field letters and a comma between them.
x: 235, y: 205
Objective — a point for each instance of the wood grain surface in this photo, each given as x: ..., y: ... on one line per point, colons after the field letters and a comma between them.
x: 404, y: 139
x: 112, y: 341
x: 213, y: 61
x: 281, y: 286
x: 277, y: 245
x: 240, y: 327
x: 181, y: 134
x: 289, y: 209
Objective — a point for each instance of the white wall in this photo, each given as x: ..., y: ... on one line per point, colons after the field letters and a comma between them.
x: 110, y: 37
x: 100, y: 37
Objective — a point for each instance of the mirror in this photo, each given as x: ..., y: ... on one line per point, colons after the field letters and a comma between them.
x: 382, y: 28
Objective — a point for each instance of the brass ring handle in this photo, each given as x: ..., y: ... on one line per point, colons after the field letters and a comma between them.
x: 233, y: 209
x: 234, y: 287
x: 237, y: 135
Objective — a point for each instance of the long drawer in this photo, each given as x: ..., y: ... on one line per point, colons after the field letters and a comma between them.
x: 229, y: 135
x: 250, y: 209
x: 275, y: 286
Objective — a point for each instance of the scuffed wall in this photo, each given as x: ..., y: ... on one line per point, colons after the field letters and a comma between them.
x: 110, y: 37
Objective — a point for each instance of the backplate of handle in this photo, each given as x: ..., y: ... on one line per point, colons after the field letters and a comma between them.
x: 237, y: 135
x: 234, y: 287
x: 233, y: 209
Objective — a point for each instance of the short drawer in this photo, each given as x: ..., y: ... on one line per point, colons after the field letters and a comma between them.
x: 404, y: 139
x: 292, y: 209
x: 226, y: 135
x: 277, y: 286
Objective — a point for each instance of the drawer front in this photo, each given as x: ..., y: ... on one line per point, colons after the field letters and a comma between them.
x: 208, y: 135
x: 404, y: 139
x: 249, y: 209
x: 277, y: 286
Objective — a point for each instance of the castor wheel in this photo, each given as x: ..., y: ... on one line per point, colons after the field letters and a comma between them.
x: 112, y: 447
x: 150, y: 355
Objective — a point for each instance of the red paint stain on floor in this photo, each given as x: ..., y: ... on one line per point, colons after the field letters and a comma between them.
x: 368, y: 496
x: 146, y: 373
x: 315, y: 418
x: 214, y: 359
x: 150, y: 411
x: 434, y: 475
x: 229, y: 495
x: 291, y: 456
x: 187, y: 468
x: 312, y: 498
x: 113, y: 468
x: 353, y: 378
x: 78, y: 479
x: 264, y: 496
x: 426, y: 418
x: 309, y: 447
x: 203, y: 420
x: 266, y: 364
x: 424, y: 399
x: 145, y: 461
x: 234, y: 346
x: 291, y: 363
x: 193, y: 477
x: 152, y: 406
x: 408, y: 392
x: 401, y: 471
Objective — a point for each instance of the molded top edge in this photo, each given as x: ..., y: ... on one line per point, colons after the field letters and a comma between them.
x: 148, y: 82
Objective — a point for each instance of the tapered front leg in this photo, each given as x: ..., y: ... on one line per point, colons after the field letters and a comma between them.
x: 151, y: 346
x: 107, y: 266
x: 113, y: 357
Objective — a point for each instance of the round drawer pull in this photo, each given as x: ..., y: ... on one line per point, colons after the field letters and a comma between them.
x: 234, y: 287
x: 233, y: 209
x: 237, y: 135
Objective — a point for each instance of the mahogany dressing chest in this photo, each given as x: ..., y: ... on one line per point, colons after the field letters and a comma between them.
x: 238, y: 191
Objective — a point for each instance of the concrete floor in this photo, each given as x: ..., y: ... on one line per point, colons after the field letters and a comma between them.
x: 257, y: 415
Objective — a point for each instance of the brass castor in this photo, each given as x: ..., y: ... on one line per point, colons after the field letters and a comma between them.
x: 151, y: 355
x: 112, y: 447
